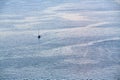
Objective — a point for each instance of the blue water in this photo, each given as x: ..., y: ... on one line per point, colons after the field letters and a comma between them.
x: 80, y: 40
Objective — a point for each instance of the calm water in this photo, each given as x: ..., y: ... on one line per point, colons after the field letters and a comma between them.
x: 80, y: 40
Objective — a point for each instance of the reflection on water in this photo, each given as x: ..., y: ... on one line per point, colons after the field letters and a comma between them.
x: 80, y: 40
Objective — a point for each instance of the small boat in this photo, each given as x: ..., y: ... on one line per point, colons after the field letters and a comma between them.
x: 39, y: 36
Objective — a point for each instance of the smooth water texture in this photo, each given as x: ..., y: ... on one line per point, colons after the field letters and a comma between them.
x: 80, y: 40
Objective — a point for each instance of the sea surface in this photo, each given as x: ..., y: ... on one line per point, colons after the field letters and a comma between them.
x: 80, y: 40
